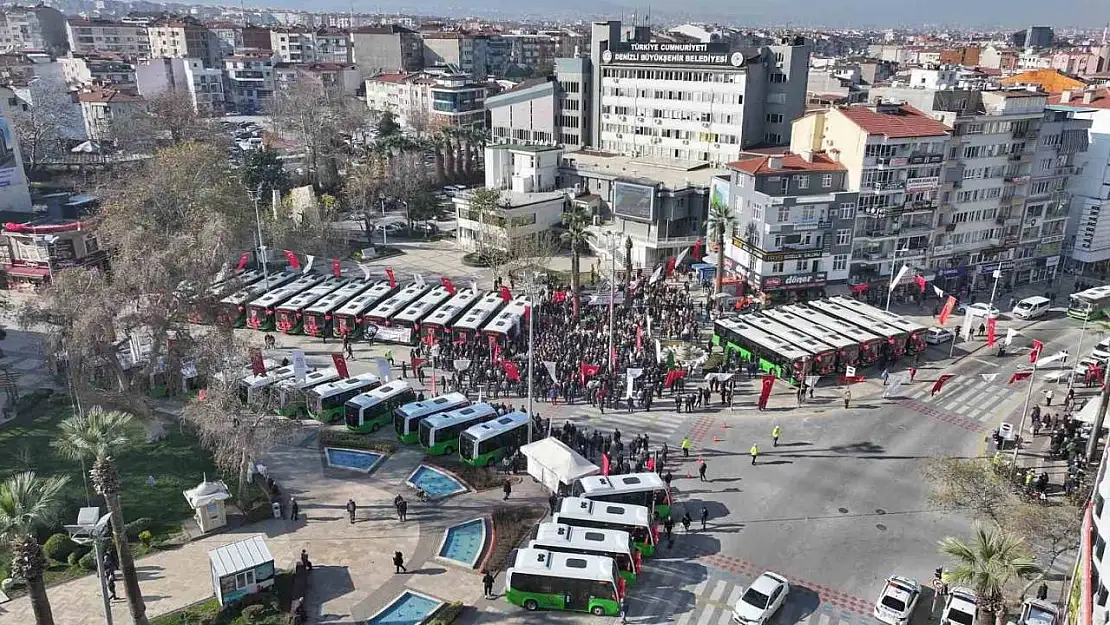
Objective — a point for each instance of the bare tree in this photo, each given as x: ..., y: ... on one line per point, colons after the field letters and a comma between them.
x: 970, y: 486
x: 45, y: 125
x: 165, y: 119
x: 1051, y: 530
x: 319, y: 117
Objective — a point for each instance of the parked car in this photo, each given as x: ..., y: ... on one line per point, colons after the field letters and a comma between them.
x: 936, y: 336
x: 897, y: 600
x: 761, y: 600
x: 425, y: 227
x: 1038, y: 612
x: 959, y: 608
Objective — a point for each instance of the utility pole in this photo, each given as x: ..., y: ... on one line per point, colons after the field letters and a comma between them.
x: 1024, y: 414
x: 612, y: 297
x: 256, y: 196
x: 1103, y: 399
x: 531, y: 357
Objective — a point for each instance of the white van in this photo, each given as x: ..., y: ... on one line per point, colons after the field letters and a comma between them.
x: 1031, y: 307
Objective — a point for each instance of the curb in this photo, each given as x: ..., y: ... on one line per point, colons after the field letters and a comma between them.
x: 489, y: 548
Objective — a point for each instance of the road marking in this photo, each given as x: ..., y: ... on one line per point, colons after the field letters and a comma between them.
x: 706, y: 616
x: 967, y: 394
x: 986, y: 362
x: 700, y: 588
x: 735, y: 595
x: 918, y: 394
x: 684, y: 617
x: 951, y: 405
x: 718, y: 590
x: 726, y: 618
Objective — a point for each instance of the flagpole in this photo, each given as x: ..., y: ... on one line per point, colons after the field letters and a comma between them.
x: 994, y: 289
x: 1078, y: 346
x: 893, y: 263
x: 1024, y: 414
x: 531, y: 313
x: 612, y: 297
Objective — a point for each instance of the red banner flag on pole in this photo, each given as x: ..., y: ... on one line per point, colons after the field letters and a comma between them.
x: 990, y: 332
x: 392, y: 278
x: 511, y: 372
x: 696, y: 252
x: 446, y: 282
x: 920, y: 280
x: 292, y: 259
x: 243, y: 258
x: 670, y: 265
x: 605, y: 464
x: 939, y: 384
x: 947, y: 310
x: 765, y: 391
x: 505, y: 294
x: 494, y: 350
x: 1035, y: 353
x: 639, y: 337
x: 587, y: 371
x: 340, y: 365
x: 335, y: 267
x: 1019, y: 376
x: 258, y: 367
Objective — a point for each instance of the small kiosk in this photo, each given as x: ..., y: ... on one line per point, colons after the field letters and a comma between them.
x: 207, y: 500
x: 241, y: 569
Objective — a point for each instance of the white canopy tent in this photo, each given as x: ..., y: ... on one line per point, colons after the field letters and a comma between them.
x: 553, y: 463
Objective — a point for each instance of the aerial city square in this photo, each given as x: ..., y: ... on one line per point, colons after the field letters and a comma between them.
x: 720, y: 313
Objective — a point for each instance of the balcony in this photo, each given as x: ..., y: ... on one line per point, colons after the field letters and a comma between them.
x: 886, y: 187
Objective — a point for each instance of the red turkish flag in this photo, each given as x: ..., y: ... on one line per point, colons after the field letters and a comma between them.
x: 335, y: 267
x: 673, y: 376
x: 494, y: 350
x: 340, y: 365
x: 257, y: 366
x: 392, y: 278
x: 605, y: 464
x: 202, y: 395
x: 1035, y: 353
x: 947, y: 310
x: 670, y: 265
x: 990, y: 332
x: 920, y: 280
x: 243, y: 261
x: 505, y: 294
x: 639, y: 337
x: 765, y: 391
x: 939, y: 384
x: 1019, y: 376
x: 696, y: 252
x: 511, y: 371
x: 446, y: 282
x: 559, y: 296
x: 587, y: 371
x: 294, y: 262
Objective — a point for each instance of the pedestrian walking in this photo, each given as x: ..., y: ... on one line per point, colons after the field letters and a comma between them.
x: 913, y: 372
x: 754, y: 451
x: 686, y: 520
x: 351, y: 510
x: 776, y: 432
x: 1048, y: 397
x: 403, y: 510
x: 111, y: 581
x: 701, y: 471
x: 668, y: 527
x: 487, y: 584
x: 294, y: 509
x: 686, y: 446
x: 508, y: 489
x: 624, y: 609
x: 847, y: 397
x: 347, y: 347
x: 551, y: 501
x: 704, y: 516
x: 399, y: 562
x: 667, y: 479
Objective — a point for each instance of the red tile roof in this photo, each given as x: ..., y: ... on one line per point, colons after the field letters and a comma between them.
x: 1099, y: 100
x: 757, y: 165
x: 393, y: 78
x: 905, y: 121
x: 106, y: 96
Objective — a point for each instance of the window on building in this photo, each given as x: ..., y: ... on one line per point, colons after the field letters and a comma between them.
x: 774, y: 118
x: 778, y: 78
x: 799, y: 265
x: 844, y: 237
x: 784, y: 214
x: 840, y: 262
x: 802, y: 181
x: 773, y: 137
x: 778, y: 267
x: 847, y: 210
x: 826, y: 180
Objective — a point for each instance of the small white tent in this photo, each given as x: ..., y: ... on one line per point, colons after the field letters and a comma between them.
x: 553, y: 463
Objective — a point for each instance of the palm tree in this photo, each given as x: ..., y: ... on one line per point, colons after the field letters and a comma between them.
x: 438, y: 147
x: 720, y: 220
x: 991, y: 560
x: 578, y: 236
x: 97, y: 435
x: 447, y: 148
x: 28, y: 502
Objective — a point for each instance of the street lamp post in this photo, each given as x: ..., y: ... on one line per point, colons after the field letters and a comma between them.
x: 1078, y: 346
x: 994, y: 289
x: 531, y: 286
x: 1024, y: 414
x: 612, y: 295
x: 91, y: 528
x: 256, y: 196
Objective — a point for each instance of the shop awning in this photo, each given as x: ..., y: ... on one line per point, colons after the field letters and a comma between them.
x: 27, y: 272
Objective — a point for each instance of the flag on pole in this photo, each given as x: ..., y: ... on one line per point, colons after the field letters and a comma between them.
x: 308, y: 265
x: 383, y: 368
x: 656, y: 275
x: 365, y: 271
x: 765, y: 390
x: 697, y: 249
x: 461, y: 364
x: 336, y: 268
x: 966, y: 330
x: 673, y: 376
x: 1010, y: 334
x: 990, y: 332
x: 1035, y: 353
x: 292, y: 259
x: 587, y: 371
x: 671, y: 264
x: 639, y: 337
x: 920, y: 280
x: 550, y: 366
x: 681, y: 257
x: 936, y: 289
x: 392, y: 278
x: 939, y: 384
x: 446, y: 282
x: 340, y: 365
x: 418, y: 280
x: 947, y: 310
x: 898, y: 278
x: 505, y: 294
x: 1019, y: 376
x: 494, y: 350
x: 512, y: 374
x: 474, y: 286
x: 243, y: 258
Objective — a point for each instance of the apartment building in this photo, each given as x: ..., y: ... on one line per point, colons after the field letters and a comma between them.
x: 386, y: 49
x: 1087, y: 239
x: 33, y: 28
x: 462, y: 50
x: 90, y: 36
x: 531, y: 50
x: 182, y: 38
x: 793, y: 222
x: 298, y: 45
x: 894, y: 156
x: 250, y: 80
x: 203, y: 86
x: 97, y: 69
x: 104, y: 108
x: 427, y: 100
x: 342, y: 76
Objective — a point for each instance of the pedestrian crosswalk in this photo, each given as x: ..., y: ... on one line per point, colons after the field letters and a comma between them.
x: 970, y: 397
x: 659, y: 425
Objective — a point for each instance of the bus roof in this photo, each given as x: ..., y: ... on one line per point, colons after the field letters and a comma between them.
x: 449, y: 311
x: 366, y: 300
x: 250, y: 292
x: 477, y: 315
x: 853, y: 316
x: 1094, y: 294
x: 766, y: 341
x: 615, y: 541
x: 473, y: 411
x: 581, y: 508
x: 280, y: 295
x: 482, y: 431
x: 878, y: 314
x: 793, y: 336
x: 268, y: 378
x: 543, y: 562
x: 509, y: 318
x: 416, y: 311
x: 370, y: 398
x: 337, y: 387
x: 312, y: 378
x: 235, y: 281
x: 303, y: 300
x: 831, y: 323
x: 340, y: 296
x: 435, y: 404
x: 396, y: 302
x: 625, y: 483
x: 815, y: 330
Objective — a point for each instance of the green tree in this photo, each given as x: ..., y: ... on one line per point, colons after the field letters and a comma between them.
x: 987, y: 564
x: 578, y: 236
x: 387, y: 125
x: 97, y: 435
x: 720, y: 220
x: 263, y: 167
x: 28, y: 503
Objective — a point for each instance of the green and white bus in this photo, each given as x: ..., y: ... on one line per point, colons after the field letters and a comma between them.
x: 615, y: 544
x: 254, y: 389
x: 293, y: 393
x: 407, y: 418
x: 325, y: 402
x: 484, y: 444
x: 348, y: 320
x: 636, y: 520
x: 774, y: 355
x: 232, y: 310
x: 439, y: 434
x: 550, y: 580
x: 641, y: 489
x: 369, y: 411
x: 1090, y: 304
x: 290, y: 314
x: 318, y: 317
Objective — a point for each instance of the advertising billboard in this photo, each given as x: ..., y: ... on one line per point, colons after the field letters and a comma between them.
x: 719, y: 193
x: 660, y: 53
x: 8, y: 162
x: 634, y: 201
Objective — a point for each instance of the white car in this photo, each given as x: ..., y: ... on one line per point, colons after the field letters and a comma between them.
x: 959, y: 608
x: 1038, y: 612
x: 936, y: 336
x: 978, y: 310
x: 761, y: 600
x: 898, y: 600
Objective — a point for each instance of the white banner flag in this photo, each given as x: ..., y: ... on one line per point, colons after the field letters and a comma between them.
x: 308, y: 265
x: 629, y: 379
x: 649, y: 326
x: 893, y: 383
x: 634, y: 373
x: 1010, y: 334
x: 655, y: 276
x: 300, y: 367
x: 418, y: 279
x: 965, y: 330
x: 811, y: 380
x: 550, y: 366
x: 936, y: 289
x: 989, y: 377
x: 474, y: 286
x: 996, y: 274
x: 901, y: 274
x: 462, y: 364
x: 850, y: 371
x: 365, y: 271
x: 383, y: 369
x: 681, y: 257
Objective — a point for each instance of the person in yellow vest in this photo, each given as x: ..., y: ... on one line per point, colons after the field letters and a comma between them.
x: 686, y: 446
x: 755, y: 452
x: 776, y: 432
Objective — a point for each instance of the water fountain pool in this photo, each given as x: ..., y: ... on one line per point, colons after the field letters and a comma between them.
x: 352, y: 459
x: 435, y: 482
x: 464, y: 543
x: 409, y: 608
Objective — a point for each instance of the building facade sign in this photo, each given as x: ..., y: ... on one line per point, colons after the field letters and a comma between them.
x: 660, y: 53
x: 776, y: 257
x: 926, y: 159
x: 923, y: 184
x: 793, y: 281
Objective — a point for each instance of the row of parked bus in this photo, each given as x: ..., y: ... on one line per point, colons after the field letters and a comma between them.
x: 593, y: 547
x: 821, y: 337
x: 318, y: 305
